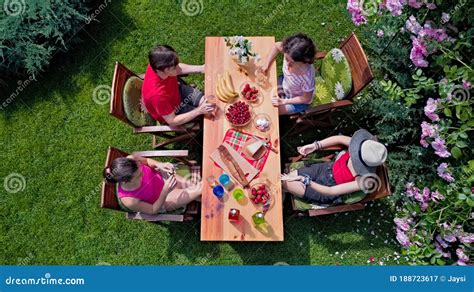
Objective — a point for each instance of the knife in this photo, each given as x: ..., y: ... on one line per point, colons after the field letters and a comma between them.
x: 265, y: 144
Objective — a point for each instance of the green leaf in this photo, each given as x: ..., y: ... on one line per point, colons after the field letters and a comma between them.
x: 440, y: 262
x: 462, y: 197
x: 448, y: 112
x: 461, y: 144
x: 418, y: 72
x: 456, y: 152
x: 470, y: 202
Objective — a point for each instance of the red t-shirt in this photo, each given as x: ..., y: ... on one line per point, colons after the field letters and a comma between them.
x: 160, y: 96
x: 341, y: 171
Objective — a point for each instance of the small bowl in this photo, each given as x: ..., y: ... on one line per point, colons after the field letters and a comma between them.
x: 262, y: 116
x: 259, y: 205
x: 226, y: 109
x: 253, y: 85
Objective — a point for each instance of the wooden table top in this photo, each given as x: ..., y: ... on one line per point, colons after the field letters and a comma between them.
x: 215, y: 225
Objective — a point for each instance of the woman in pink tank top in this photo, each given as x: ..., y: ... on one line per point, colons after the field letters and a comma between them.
x: 148, y: 186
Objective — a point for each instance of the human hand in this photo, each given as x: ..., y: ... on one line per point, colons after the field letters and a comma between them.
x: 167, y: 168
x: 287, y: 177
x: 206, y: 107
x: 263, y: 69
x: 277, y: 101
x: 169, y: 184
x: 307, y: 149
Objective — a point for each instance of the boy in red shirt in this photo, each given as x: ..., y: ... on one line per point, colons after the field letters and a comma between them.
x: 167, y: 100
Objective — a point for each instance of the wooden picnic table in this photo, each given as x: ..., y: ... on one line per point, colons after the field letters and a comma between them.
x: 215, y: 225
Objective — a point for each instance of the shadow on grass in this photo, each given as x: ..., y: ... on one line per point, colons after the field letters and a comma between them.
x: 86, y: 55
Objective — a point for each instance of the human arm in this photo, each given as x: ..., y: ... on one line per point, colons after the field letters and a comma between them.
x: 190, y: 69
x: 163, y: 167
x: 328, y: 142
x: 176, y: 120
x: 303, y: 99
x: 278, y: 48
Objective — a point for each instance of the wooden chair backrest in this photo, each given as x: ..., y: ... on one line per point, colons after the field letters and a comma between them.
x: 109, y: 191
x: 361, y: 73
x: 383, y: 189
x: 121, y: 75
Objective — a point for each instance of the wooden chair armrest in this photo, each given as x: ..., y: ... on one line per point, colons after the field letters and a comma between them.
x: 163, y: 153
x: 325, y: 107
x: 155, y: 218
x: 326, y: 158
x: 321, y: 55
x: 154, y: 129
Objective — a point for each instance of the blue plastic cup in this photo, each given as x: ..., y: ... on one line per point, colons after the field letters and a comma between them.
x: 225, y: 181
x: 218, y: 191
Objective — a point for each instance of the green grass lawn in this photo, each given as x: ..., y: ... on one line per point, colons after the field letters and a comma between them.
x: 56, y: 136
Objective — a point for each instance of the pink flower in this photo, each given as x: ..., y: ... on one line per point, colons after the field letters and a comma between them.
x: 440, y: 250
x: 440, y: 148
x: 437, y: 196
x: 418, y: 52
x: 450, y: 238
x: 436, y: 34
x: 466, y: 84
x: 428, y: 130
x: 356, y: 11
x: 466, y: 238
x: 402, y: 224
x: 442, y: 173
x: 431, y: 6
x: 412, y: 25
x: 380, y: 33
x: 424, y: 143
x: 441, y: 241
x: 462, y: 257
x: 415, y: 3
x: 430, y: 109
x: 395, y: 6
x: 403, y: 238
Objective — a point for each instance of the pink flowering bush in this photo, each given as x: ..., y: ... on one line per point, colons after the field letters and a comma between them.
x: 425, y: 71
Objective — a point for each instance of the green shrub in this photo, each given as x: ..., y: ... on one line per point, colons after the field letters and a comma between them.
x: 33, y: 31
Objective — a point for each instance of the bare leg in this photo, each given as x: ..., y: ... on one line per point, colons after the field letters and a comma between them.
x: 296, y: 188
x: 179, y: 197
x: 282, y: 110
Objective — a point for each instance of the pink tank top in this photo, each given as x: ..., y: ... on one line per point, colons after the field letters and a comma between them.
x: 150, y: 188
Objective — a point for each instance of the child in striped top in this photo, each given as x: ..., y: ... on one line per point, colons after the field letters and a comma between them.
x: 297, y: 84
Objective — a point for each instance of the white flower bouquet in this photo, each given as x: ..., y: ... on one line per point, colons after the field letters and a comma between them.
x: 241, y: 49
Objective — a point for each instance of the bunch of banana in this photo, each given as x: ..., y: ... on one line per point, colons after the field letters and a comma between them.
x: 225, y: 89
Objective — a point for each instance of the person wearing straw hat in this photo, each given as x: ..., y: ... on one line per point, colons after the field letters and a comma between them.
x: 326, y: 182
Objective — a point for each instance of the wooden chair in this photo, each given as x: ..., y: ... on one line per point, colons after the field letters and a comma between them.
x: 109, y: 191
x: 361, y: 76
x: 171, y: 134
x: 381, y: 192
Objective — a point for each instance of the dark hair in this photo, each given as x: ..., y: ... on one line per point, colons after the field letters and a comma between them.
x: 300, y: 48
x: 122, y: 170
x: 162, y: 57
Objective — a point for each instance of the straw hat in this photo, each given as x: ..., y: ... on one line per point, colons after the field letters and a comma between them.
x: 366, y: 153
